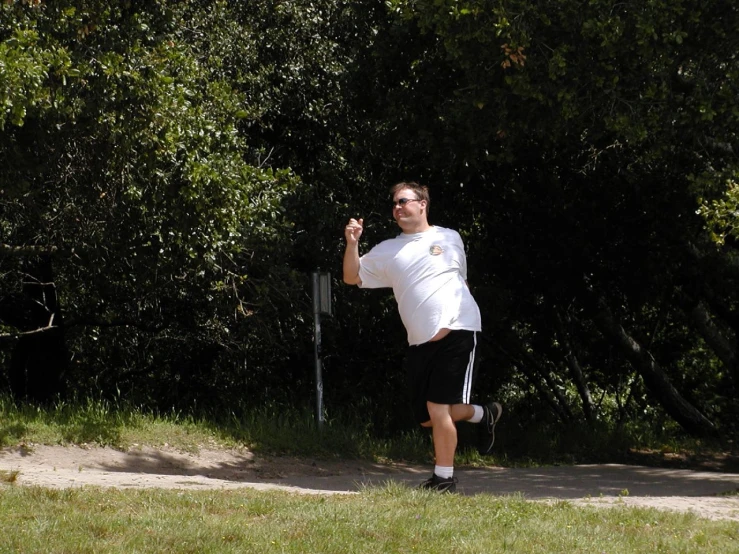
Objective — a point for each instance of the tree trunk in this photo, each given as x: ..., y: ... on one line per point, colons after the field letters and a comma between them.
x: 724, y: 348
x: 719, y: 293
x: 654, y: 377
x: 588, y: 407
x: 720, y: 307
x: 531, y: 368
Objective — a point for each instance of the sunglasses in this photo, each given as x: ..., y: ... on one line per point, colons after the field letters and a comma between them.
x: 403, y: 201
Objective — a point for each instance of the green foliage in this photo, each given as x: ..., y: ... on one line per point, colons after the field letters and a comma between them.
x: 139, y: 170
x: 575, y: 139
x: 722, y: 215
x: 25, y: 69
x: 189, y: 163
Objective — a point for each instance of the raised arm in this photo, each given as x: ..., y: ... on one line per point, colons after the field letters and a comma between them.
x: 352, y: 232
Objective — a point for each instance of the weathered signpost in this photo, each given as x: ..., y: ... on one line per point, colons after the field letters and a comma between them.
x: 321, y: 306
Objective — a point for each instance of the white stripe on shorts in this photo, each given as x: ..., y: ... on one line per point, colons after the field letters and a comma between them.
x: 467, y: 389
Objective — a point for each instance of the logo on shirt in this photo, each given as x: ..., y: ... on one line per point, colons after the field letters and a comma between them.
x: 435, y: 250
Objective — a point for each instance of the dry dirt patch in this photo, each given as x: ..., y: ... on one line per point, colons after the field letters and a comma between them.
x: 703, y: 492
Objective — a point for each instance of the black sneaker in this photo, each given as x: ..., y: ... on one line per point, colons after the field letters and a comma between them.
x: 440, y: 484
x: 492, y: 414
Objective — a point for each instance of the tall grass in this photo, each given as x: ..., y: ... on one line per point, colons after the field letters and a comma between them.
x: 100, y: 422
x: 292, y: 430
x: 270, y: 429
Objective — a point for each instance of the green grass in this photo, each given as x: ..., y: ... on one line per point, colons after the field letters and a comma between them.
x: 388, y: 519
x: 99, y: 423
x: 279, y: 430
x: 8, y: 476
x: 393, y: 518
x: 265, y: 429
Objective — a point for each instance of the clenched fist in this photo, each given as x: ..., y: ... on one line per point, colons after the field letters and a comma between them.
x: 353, y: 230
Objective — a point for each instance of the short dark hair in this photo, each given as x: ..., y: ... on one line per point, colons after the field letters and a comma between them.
x: 421, y: 191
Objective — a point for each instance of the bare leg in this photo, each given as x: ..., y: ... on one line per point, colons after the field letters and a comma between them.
x: 444, y: 430
x: 460, y: 412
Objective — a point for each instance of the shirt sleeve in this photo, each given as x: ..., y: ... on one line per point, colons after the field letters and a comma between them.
x: 458, y: 243
x: 372, y: 270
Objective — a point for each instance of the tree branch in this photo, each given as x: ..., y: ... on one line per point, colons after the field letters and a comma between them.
x: 655, y: 378
x: 94, y: 322
x: 19, y: 334
x: 27, y: 250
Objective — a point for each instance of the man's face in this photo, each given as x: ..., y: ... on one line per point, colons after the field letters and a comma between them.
x: 407, y: 208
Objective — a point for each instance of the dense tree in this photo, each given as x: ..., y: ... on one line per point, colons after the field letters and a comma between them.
x: 585, y: 135
x: 126, y: 160
x: 174, y: 171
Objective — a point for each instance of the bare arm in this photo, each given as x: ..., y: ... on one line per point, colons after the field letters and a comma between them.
x: 352, y: 232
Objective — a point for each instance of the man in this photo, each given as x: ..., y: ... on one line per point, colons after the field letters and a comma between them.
x: 426, y: 267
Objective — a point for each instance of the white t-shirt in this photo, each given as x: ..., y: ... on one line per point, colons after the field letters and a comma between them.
x: 427, y: 272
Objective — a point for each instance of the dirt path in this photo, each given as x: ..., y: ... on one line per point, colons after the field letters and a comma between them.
x: 672, y: 489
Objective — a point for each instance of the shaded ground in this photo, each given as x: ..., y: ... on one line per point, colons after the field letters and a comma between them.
x: 701, y: 491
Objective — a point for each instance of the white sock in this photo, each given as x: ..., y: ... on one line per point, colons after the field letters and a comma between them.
x: 444, y: 472
x: 477, y: 417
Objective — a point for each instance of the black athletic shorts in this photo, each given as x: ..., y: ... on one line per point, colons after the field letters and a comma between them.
x: 441, y: 371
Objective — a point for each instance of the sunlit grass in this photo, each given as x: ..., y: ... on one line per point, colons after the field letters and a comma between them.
x: 268, y: 429
x: 393, y: 518
x: 9, y: 476
x: 97, y: 422
x: 389, y: 519
x: 289, y: 430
